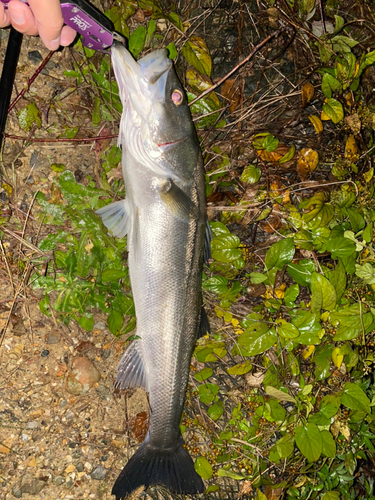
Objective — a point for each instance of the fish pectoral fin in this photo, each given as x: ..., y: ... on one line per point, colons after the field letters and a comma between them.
x: 207, y: 243
x: 130, y: 370
x: 177, y: 202
x: 204, y: 326
x: 116, y: 217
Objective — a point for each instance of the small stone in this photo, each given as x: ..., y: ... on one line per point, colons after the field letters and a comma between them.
x: 104, y: 458
x: 99, y: 473
x: 106, y: 353
x: 58, y: 480
x: 100, y: 325
x: 16, y: 491
x: 32, y: 486
x: 45, y: 353
x: 3, y: 197
x: 63, y: 403
x: 24, y: 437
x: 30, y: 461
x: 35, y: 56
x: 88, y: 466
x: 80, y: 467
x: 32, y: 425
x: 53, y: 337
x: 70, y: 468
x: 104, y: 392
x: 82, y: 376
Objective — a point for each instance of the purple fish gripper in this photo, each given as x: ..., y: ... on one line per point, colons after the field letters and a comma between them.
x: 95, y: 35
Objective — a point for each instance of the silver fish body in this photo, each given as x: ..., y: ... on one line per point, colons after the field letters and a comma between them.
x: 164, y: 217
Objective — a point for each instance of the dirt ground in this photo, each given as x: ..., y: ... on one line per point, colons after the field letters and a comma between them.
x: 53, y: 444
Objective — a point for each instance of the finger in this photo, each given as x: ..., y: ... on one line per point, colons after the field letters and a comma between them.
x: 22, y: 18
x: 49, y: 21
x: 4, y: 17
x: 67, y: 36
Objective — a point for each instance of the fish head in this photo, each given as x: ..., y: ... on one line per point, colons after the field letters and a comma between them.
x: 156, y: 117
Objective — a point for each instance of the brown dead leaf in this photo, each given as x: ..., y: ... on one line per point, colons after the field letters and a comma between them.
x: 231, y: 90
x: 255, y: 379
x: 246, y: 488
x: 307, y: 162
x: 271, y: 224
x: 354, y: 123
x: 139, y: 425
x: 273, y: 493
x: 307, y: 93
x: 103, y: 144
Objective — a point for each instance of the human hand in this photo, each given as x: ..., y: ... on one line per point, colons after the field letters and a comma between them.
x: 42, y: 18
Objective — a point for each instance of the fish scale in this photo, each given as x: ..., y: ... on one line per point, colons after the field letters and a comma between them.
x: 164, y: 217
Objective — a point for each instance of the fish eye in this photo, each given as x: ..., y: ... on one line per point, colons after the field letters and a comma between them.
x: 177, y: 97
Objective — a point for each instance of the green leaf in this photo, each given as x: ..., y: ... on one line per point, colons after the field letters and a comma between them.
x: 257, y: 278
x: 86, y: 321
x: 251, y: 174
x: 230, y: 473
x: 279, y: 254
x: 283, y: 448
x: 207, y: 392
x: 328, y: 444
x: 288, y: 156
x: 204, y: 374
x: 44, y: 305
x: 286, y: 330
x: 216, y: 284
x: 197, y: 55
x: 331, y: 495
x: 302, y: 272
x: 115, y: 321
x: 113, y: 274
x: 309, y: 441
x: 225, y: 248
x: 256, y: 339
x: 172, y: 51
x: 280, y: 395
x: 270, y: 143
x: 322, y: 358
x: 330, y: 84
x: 334, y: 110
x: 338, y: 280
x: 291, y: 293
x: 356, y: 220
x: 203, y: 467
x: 340, y: 247
x: 151, y: 26
x: 355, y: 398
x: 366, y: 272
x: 137, y: 41
x: 215, y: 411
x: 96, y: 116
x: 323, y: 294
x: 353, y: 320
x: 240, y: 368
x: 29, y: 115
x: 330, y: 405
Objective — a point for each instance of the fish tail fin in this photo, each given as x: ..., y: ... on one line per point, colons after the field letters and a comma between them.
x: 173, y: 468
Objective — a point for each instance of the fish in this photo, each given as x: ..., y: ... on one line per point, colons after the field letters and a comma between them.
x: 165, y: 219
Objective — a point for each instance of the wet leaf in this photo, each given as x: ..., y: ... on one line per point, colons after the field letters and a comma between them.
x: 29, y: 115
x: 197, y: 55
x: 286, y: 330
x: 288, y: 156
x: 352, y: 321
x: 215, y: 411
x: 137, y: 41
x: 307, y: 162
x: 203, y: 467
x: 328, y: 449
x: 334, y: 110
x: 309, y: 441
x: 204, y: 374
x: 323, y: 294
x: 251, y: 174
x: 279, y: 254
x: 240, y: 368
x: 113, y: 274
x: 355, y: 398
x: 351, y: 148
x: 115, y: 321
x: 280, y: 395
x: 207, y: 392
x: 366, y: 272
x: 232, y: 92
x: 256, y: 339
x: 317, y: 122
x: 229, y: 473
x: 307, y: 93
x: 172, y: 50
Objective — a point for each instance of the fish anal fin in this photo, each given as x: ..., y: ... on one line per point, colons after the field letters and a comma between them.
x: 116, y: 217
x: 177, y: 202
x: 150, y: 465
x: 130, y: 370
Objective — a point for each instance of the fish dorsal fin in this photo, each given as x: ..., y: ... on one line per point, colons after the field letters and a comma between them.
x: 117, y: 217
x: 207, y: 243
x: 130, y: 370
x: 177, y: 202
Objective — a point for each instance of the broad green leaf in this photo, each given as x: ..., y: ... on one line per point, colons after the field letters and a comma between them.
x: 302, y: 272
x: 286, y: 330
x: 355, y: 398
x: 216, y: 284
x: 240, y: 368
x: 251, y: 175
x: 257, y: 278
x: 203, y: 467
x: 330, y: 405
x: 322, y: 358
x: 207, y: 392
x: 288, y: 156
x: 113, y: 274
x: 256, y: 339
x: 197, y: 55
x: 115, y: 321
x: 137, y: 41
x: 172, y: 50
x: 340, y: 247
x: 225, y: 248
x: 279, y: 254
x: 331, y: 495
x: 328, y: 444
x: 309, y: 441
x: 85, y: 320
x: 330, y: 84
x: 367, y: 233
x: 283, y: 448
x: 215, y: 411
x: 323, y: 295
x: 291, y: 293
x: 29, y: 115
x: 151, y: 26
x: 334, y: 110
x: 338, y: 280
x: 353, y: 320
x: 366, y: 272
x: 230, y: 473
x: 270, y: 143
x: 304, y: 239
x: 356, y: 220
x: 204, y: 374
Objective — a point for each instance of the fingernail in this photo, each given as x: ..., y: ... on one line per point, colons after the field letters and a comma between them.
x: 18, y: 16
x: 54, y: 44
